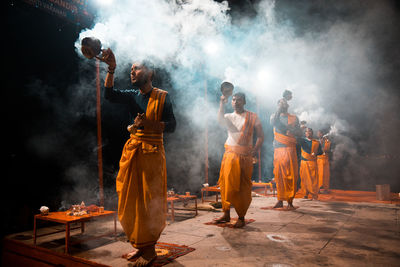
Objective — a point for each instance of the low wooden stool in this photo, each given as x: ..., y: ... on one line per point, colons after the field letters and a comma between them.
x: 265, y: 185
x: 210, y: 189
x: 171, y: 200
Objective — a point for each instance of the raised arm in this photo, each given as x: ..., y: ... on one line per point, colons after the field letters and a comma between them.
x: 111, y: 94
x: 295, y: 128
x: 221, y: 116
x: 275, y: 119
x: 109, y: 58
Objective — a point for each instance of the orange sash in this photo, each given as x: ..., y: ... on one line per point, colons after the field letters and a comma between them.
x: 247, y: 130
x: 242, y: 150
x: 154, y: 113
x: 284, y: 139
x: 326, y: 145
x: 314, y: 149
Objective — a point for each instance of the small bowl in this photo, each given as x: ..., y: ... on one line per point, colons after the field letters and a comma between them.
x: 90, y: 47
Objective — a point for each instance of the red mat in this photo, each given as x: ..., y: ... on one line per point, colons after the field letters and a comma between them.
x: 229, y: 224
x: 280, y: 209
x: 166, y: 253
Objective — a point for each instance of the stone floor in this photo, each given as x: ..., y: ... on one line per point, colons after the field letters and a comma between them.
x: 315, y: 234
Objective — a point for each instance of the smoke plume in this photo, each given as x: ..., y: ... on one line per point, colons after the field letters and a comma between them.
x: 333, y: 57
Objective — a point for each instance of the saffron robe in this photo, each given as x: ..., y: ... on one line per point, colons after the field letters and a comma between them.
x: 285, y: 163
x: 237, y: 165
x: 323, y: 165
x: 308, y: 166
x: 141, y: 183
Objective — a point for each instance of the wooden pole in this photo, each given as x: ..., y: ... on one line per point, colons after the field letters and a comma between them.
x: 206, y: 135
x: 259, y: 151
x: 99, y: 142
x: 259, y: 165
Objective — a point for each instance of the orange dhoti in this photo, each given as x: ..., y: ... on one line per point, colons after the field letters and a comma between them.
x: 285, y: 172
x: 142, y: 191
x: 309, y: 178
x: 323, y: 171
x: 235, y: 179
x: 142, y: 180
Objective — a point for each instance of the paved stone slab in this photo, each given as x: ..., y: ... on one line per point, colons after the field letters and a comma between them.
x: 316, y: 234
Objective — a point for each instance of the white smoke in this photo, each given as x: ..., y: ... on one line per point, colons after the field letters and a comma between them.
x: 197, y: 40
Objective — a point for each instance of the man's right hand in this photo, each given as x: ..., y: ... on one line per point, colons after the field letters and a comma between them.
x: 108, y: 57
x: 224, y: 99
x: 131, y: 128
x: 139, y: 120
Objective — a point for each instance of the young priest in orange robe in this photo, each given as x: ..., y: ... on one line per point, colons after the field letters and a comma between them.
x: 323, y: 163
x: 237, y: 163
x: 141, y: 182
x: 286, y: 172
x: 310, y: 149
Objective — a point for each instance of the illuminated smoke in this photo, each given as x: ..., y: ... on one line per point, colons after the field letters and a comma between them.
x: 330, y: 63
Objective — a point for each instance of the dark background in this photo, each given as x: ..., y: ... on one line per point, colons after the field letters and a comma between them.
x: 41, y: 63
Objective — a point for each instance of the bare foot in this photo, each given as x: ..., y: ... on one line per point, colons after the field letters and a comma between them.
x: 142, y: 262
x: 224, y: 218
x: 290, y: 207
x: 134, y: 254
x: 290, y: 204
x: 278, y: 204
x: 239, y: 223
x: 147, y: 258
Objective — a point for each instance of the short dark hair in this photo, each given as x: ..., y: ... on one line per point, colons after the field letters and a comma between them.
x: 148, y: 64
x: 286, y: 93
x: 309, y: 129
x: 240, y: 95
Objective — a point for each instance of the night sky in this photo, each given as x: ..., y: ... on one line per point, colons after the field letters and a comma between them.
x: 50, y: 134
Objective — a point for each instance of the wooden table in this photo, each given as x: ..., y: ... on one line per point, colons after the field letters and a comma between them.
x: 210, y: 189
x: 63, y: 218
x: 171, y: 200
x: 265, y: 185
